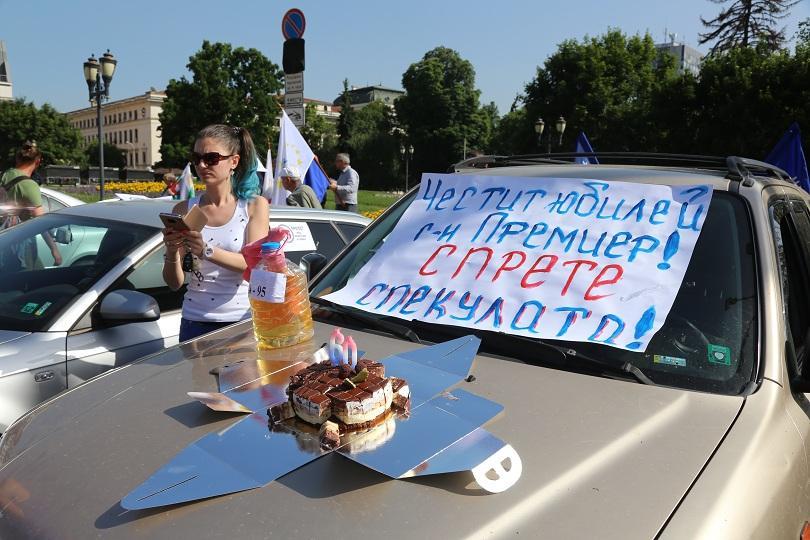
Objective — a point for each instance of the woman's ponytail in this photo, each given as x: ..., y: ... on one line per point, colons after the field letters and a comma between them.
x: 245, y: 179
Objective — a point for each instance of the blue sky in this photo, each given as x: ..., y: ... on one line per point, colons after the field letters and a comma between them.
x: 367, y: 42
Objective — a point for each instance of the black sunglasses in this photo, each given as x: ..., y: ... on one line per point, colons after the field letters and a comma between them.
x: 209, y: 158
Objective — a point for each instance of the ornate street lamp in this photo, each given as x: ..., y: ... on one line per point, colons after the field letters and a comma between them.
x: 407, y: 154
x: 539, y: 126
x: 560, y: 128
x: 99, y: 76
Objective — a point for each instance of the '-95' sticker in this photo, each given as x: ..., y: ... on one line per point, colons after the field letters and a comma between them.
x: 267, y: 286
x: 42, y: 308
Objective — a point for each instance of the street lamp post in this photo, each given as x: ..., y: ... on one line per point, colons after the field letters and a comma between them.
x: 99, y: 76
x: 539, y: 127
x: 407, y: 154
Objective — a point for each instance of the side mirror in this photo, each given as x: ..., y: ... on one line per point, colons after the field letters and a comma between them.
x: 125, y: 306
x: 312, y: 263
x: 63, y: 235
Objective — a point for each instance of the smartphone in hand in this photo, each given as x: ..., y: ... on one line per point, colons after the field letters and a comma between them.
x: 173, y: 221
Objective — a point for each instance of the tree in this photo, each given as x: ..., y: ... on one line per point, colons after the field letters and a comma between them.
x: 602, y: 85
x: 746, y: 23
x: 345, y: 123
x: 113, y: 156
x: 59, y: 142
x: 440, y: 110
x: 320, y: 134
x: 228, y: 85
x: 375, y: 147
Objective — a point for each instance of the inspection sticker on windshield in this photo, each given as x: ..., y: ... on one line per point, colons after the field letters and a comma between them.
x: 718, y: 354
x: 30, y: 307
x: 669, y: 360
x: 551, y: 258
x: 42, y: 308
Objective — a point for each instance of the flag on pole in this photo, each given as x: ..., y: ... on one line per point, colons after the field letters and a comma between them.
x: 186, y: 182
x: 788, y: 154
x: 584, y: 146
x: 294, y: 151
x: 272, y: 189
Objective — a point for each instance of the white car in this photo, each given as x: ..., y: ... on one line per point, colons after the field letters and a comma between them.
x: 106, y: 304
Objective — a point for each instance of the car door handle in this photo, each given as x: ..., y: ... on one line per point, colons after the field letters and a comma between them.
x: 44, y: 376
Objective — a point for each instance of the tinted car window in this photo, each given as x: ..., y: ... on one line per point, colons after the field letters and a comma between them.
x: 350, y: 230
x: 34, y: 289
x: 147, y: 277
x: 327, y: 240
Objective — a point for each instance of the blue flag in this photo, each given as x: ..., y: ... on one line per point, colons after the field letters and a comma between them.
x: 584, y: 145
x: 316, y: 179
x: 789, y: 155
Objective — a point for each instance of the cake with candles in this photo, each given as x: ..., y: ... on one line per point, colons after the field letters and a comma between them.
x: 342, y: 394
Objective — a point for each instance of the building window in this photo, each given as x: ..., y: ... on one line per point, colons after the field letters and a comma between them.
x: 144, y: 158
x: 136, y: 134
x: 136, y: 158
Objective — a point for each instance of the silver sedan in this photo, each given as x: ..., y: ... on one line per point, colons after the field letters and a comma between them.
x: 106, y: 304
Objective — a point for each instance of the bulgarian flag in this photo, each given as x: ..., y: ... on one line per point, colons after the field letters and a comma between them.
x: 186, y: 182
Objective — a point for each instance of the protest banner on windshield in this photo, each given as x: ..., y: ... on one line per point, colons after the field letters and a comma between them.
x: 550, y: 258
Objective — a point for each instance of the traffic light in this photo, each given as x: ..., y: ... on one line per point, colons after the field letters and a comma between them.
x: 293, y: 58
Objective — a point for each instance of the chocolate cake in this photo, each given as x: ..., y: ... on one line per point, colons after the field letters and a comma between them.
x: 340, y: 398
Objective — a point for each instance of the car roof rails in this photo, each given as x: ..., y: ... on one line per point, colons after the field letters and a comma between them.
x: 737, y: 168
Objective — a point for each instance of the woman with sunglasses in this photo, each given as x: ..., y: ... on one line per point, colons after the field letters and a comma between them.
x: 225, y: 161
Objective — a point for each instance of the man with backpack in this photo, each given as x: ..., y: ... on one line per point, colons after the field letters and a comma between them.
x: 21, y: 200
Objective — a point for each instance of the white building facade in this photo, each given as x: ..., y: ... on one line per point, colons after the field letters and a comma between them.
x: 6, y: 89
x: 130, y: 124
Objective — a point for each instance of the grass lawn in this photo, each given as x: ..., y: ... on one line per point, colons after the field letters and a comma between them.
x: 367, y: 201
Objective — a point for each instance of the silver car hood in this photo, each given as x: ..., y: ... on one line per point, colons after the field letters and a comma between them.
x: 598, y: 455
x: 7, y: 336
x: 23, y: 351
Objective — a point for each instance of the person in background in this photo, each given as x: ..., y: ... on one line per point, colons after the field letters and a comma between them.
x: 346, y: 185
x: 217, y: 295
x: 22, y: 192
x: 300, y: 193
x: 172, y: 187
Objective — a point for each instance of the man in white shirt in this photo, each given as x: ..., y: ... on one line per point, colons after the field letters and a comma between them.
x: 346, y: 185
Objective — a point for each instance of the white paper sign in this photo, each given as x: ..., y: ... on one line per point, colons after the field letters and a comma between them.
x: 553, y: 258
x: 302, y: 237
x: 267, y: 286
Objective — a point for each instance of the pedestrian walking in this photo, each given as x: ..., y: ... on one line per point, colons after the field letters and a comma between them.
x: 217, y: 295
x: 21, y: 196
x: 300, y: 194
x: 346, y: 185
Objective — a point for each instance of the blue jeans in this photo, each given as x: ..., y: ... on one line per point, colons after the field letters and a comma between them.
x: 191, y: 329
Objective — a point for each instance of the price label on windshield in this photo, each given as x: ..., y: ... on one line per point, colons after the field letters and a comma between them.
x: 267, y: 286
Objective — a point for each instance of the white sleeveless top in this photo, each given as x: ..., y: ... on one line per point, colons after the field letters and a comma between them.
x: 215, y: 294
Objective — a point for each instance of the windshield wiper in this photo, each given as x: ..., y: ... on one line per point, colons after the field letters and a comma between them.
x: 624, y: 370
x: 368, y: 319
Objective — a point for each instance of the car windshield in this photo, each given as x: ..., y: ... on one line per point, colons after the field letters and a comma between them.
x: 715, y: 310
x: 34, y: 289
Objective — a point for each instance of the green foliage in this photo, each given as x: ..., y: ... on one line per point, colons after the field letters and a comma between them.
x: 59, y: 142
x: 113, y: 156
x: 746, y: 23
x: 235, y: 86
x: 345, y: 123
x: 603, y: 85
x: 375, y: 148
x: 441, y: 109
x: 320, y: 134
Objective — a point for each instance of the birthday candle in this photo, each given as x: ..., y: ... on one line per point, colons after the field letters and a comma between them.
x: 350, y: 352
x: 336, y: 339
